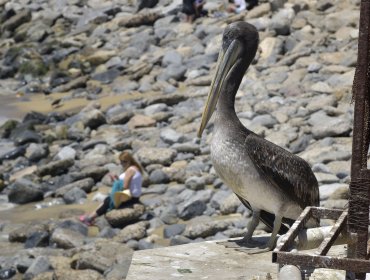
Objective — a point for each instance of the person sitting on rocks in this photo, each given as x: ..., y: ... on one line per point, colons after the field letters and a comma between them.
x: 126, y: 189
x: 237, y: 6
x: 193, y: 9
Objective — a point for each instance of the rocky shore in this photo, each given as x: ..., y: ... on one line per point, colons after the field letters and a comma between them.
x: 140, y: 78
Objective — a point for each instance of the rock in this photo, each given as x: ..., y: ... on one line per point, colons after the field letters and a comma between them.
x: 24, y: 191
x: 66, y: 238
x: 100, y: 56
x: 173, y: 230
x: 146, y: 4
x: 66, y: 153
x: 120, y: 118
x: 7, y: 127
x: 139, y: 121
x: 40, y: 264
x: 204, y: 229
x: 85, y: 185
x: 328, y: 190
x: 26, y: 136
x: 230, y: 204
x: 93, y: 118
x: 91, y: 260
x: 55, y: 168
x: 191, y: 209
x: 35, y: 152
x: 195, y: 183
x: 16, y: 20
x: 37, y: 239
x: 325, y: 126
x: 218, y: 198
x: 162, y: 156
x: 66, y: 274
x: 108, y: 232
x: 13, y: 154
x: 122, y: 217
x: 23, y: 233
x: 74, y: 196
x: 135, y: 231
x: 158, y: 177
x: 179, y: 240
x: 170, y: 136
x: 169, y: 214
x: 140, y: 19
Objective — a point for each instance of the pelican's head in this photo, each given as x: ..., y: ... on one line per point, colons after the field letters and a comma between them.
x: 239, y: 46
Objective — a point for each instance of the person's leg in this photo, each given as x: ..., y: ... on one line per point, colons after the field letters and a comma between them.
x: 101, y: 210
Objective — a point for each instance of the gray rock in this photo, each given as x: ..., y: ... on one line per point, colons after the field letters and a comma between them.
x: 39, y: 265
x: 55, y: 167
x: 155, y: 108
x: 21, y: 234
x: 325, y: 178
x: 170, y: 136
x: 326, y: 126
x: 74, y: 225
x: 37, y: 239
x: 195, y: 183
x: 169, y: 214
x: 26, y: 136
x: 136, y: 231
x: 74, y: 196
x: 230, y: 204
x: 158, y: 177
x: 191, y: 209
x: 173, y: 230
x: 264, y: 120
x: 12, y: 23
x: 218, y: 198
x: 328, y: 190
x: 179, y: 240
x: 162, y: 156
x: 171, y: 57
x: 144, y: 245
x: 35, y: 152
x: 85, y: 185
x: 24, y: 191
x: 66, y: 238
x: 93, y: 118
x: 122, y: 217
x: 204, y: 229
x: 66, y: 153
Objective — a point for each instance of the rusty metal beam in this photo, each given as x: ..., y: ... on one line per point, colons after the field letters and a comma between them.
x: 298, y: 225
x: 313, y: 261
x: 332, y: 236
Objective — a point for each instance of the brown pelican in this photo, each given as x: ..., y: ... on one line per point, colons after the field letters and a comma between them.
x: 267, y: 179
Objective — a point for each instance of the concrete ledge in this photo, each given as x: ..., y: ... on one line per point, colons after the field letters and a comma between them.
x: 204, y: 260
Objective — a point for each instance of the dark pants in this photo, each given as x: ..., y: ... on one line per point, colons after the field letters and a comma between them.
x: 105, y: 207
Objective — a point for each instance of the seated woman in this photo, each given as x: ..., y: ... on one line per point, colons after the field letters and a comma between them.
x: 193, y: 9
x: 126, y: 189
x: 237, y: 6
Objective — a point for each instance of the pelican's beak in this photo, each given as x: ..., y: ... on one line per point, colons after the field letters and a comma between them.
x: 226, y: 61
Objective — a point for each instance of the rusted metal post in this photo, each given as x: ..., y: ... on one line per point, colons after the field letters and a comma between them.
x: 358, y: 213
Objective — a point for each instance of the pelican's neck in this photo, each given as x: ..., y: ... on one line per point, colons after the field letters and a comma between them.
x: 226, y: 118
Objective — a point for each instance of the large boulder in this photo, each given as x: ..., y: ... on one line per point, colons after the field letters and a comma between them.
x: 24, y: 191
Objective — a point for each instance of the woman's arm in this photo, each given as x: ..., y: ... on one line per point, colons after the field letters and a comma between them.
x: 130, y: 172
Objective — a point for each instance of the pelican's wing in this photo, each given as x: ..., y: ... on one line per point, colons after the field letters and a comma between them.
x: 268, y: 218
x: 285, y: 171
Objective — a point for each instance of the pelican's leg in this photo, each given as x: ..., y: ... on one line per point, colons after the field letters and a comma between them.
x: 247, y: 242
x: 275, y: 231
x: 252, y: 226
x: 271, y: 243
